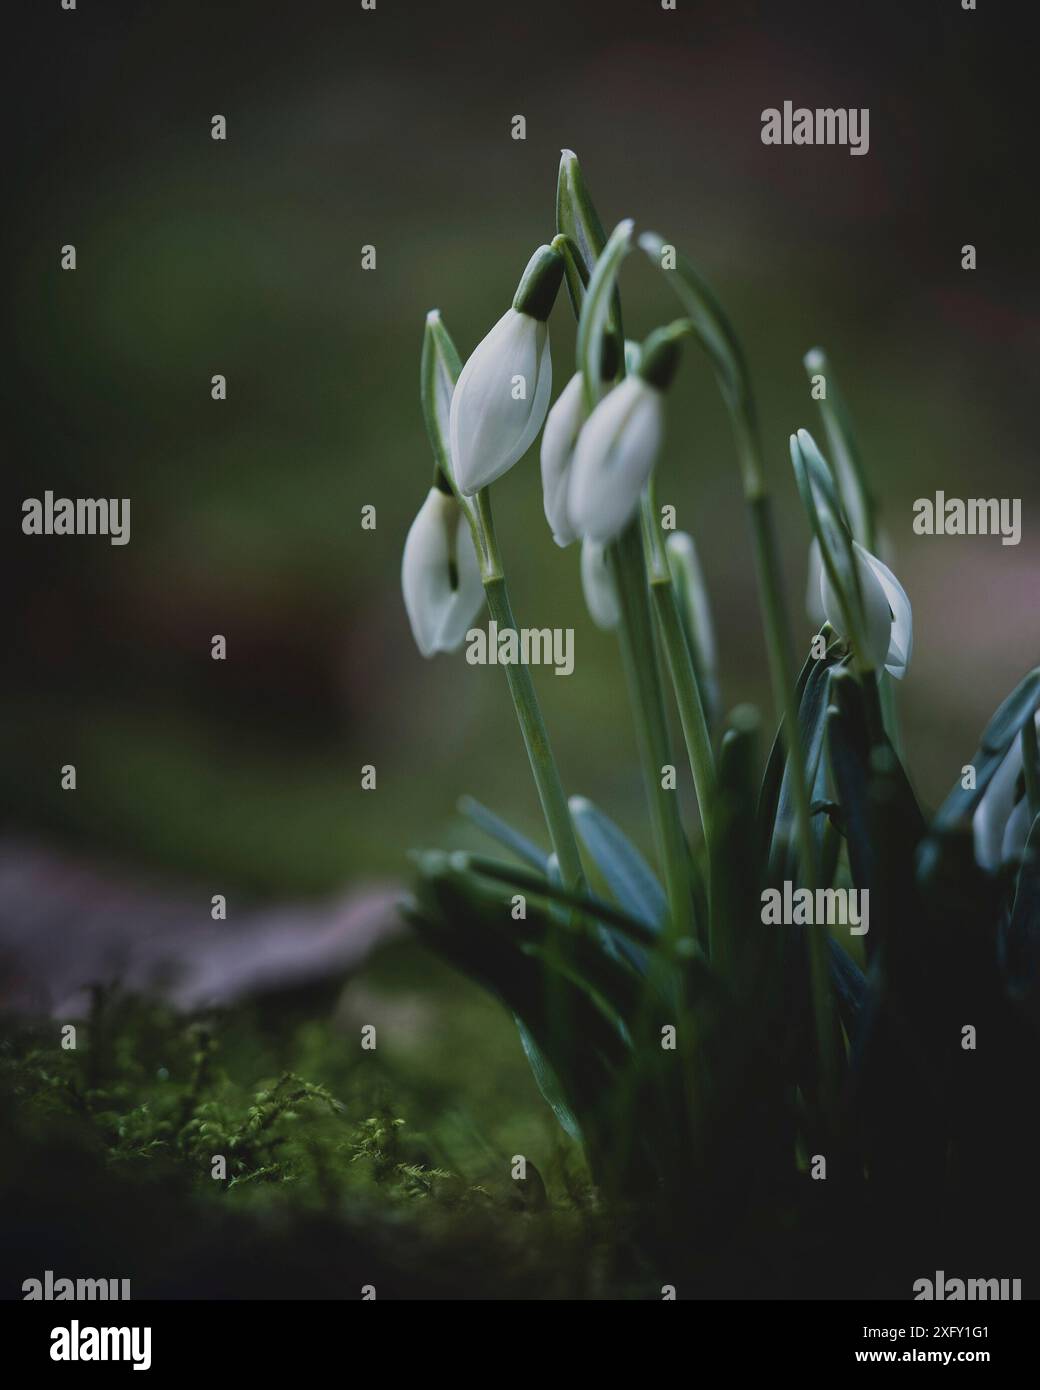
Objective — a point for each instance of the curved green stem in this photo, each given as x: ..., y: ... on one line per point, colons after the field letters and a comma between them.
x: 687, y: 689
x: 525, y: 702
x: 639, y: 656
x: 778, y: 645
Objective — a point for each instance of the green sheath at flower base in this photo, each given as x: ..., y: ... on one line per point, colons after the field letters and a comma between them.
x: 438, y: 373
x: 659, y: 358
x: 619, y: 443
x: 540, y: 284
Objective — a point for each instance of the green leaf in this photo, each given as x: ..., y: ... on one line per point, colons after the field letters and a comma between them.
x: 772, y: 778
x: 578, y: 220
x: 736, y: 901
x: 859, y: 503
x: 812, y: 712
x: 848, y: 747
x: 592, y: 908
x: 824, y: 510
x: 850, y: 984
x: 710, y: 323
x: 561, y: 999
x: 627, y: 874
x: 438, y: 372
x: 498, y: 829
x: 595, y: 312
x: 1022, y: 939
x: 997, y: 738
x: 585, y: 1074
x: 548, y: 1082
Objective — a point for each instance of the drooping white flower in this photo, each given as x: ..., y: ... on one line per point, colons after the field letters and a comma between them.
x: 440, y: 575
x: 813, y: 587
x: 1001, y: 823
x: 502, y: 393
x: 562, y: 427
x: 886, y: 612
x: 597, y: 582
x: 613, y: 458
x: 620, y: 441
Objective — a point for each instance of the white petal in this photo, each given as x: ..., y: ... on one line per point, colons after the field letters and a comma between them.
x: 490, y: 429
x: 440, y: 612
x: 562, y: 427
x: 999, y: 826
x: 613, y: 459
x: 886, y: 610
x: 468, y: 598
x: 901, y: 638
x: 597, y: 583
x: 876, y: 612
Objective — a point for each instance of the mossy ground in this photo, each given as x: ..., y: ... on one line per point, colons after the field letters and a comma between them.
x: 344, y: 1167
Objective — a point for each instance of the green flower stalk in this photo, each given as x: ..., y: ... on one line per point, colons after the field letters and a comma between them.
x: 439, y: 378
x: 717, y: 337
x: 613, y: 445
x: 664, y: 1007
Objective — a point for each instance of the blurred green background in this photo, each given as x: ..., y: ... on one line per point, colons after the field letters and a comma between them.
x: 243, y: 257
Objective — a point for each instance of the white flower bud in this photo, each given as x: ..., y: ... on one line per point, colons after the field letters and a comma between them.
x: 562, y: 428
x: 597, y: 582
x: 502, y: 394
x: 614, y: 456
x: 886, y: 612
x: 500, y: 400
x: 440, y: 575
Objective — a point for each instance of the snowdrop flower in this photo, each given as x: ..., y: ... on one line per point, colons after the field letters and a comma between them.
x: 813, y: 587
x: 619, y: 443
x: 597, y: 583
x: 886, y: 611
x: 562, y: 428
x: 502, y: 394
x: 440, y: 575
x: 1001, y: 822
